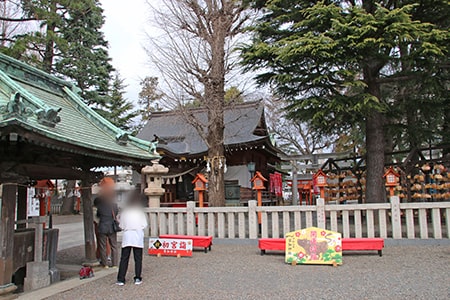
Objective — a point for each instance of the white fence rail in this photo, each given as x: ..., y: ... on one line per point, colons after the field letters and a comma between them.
x: 56, y: 208
x: 387, y: 220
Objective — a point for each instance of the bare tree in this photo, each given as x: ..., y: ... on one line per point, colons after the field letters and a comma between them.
x: 195, y: 55
x: 293, y: 137
x: 13, y: 21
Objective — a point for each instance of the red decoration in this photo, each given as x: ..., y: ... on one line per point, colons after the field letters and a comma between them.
x: 200, y: 185
x: 391, y: 177
x: 258, y: 181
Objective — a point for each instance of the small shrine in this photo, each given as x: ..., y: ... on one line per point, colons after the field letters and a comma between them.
x: 48, y: 132
x: 248, y: 147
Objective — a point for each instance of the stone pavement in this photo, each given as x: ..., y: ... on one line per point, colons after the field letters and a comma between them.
x: 237, y: 271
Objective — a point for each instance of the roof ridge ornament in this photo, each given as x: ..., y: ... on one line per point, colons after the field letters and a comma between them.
x: 122, y: 138
x: 15, y: 108
x: 153, y: 145
x: 48, y: 116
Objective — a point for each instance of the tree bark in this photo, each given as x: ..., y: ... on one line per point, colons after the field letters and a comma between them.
x: 446, y: 131
x: 47, y: 61
x: 375, y: 143
x: 375, y: 158
x: 215, y: 94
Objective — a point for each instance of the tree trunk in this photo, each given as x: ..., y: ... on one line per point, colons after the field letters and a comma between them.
x: 216, y: 184
x: 215, y: 95
x: 446, y: 131
x: 375, y: 143
x: 375, y: 158
x: 49, y: 53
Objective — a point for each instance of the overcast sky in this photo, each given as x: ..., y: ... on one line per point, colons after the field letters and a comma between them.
x: 127, y: 24
x: 125, y: 29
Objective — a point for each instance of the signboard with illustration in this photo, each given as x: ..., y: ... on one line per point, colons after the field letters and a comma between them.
x: 169, y: 247
x: 313, y: 246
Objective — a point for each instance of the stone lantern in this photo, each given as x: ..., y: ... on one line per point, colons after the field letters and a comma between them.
x: 153, y: 177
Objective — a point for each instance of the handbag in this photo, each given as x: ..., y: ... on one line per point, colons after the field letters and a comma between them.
x: 116, y: 226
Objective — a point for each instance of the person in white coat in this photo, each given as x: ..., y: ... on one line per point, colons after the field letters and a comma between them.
x: 133, y: 221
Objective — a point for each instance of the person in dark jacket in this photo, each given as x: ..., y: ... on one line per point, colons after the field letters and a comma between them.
x: 107, y: 211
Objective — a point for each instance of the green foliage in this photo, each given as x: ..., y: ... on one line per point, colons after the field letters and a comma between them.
x: 149, y: 97
x: 84, y: 51
x: 69, y: 43
x: 334, y: 59
x: 119, y: 110
x: 233, y: 96
x: 315, y: 53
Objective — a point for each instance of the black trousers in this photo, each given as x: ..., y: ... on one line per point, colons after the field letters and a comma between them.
x: 124, y: 259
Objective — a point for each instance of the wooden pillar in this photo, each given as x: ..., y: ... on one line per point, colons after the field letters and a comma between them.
x: 88, y: 221
x: 8, y: 209
x: 22, y: 205
x: 295, y: 196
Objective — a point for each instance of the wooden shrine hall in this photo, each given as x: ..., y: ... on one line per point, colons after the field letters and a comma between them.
x: 248, y: 148
x: 48, y: 132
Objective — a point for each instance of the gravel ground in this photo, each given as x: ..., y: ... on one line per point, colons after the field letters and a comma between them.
x: 71, y: 256
x: 239, y: 272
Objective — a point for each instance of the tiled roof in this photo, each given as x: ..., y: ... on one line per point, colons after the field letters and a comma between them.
x: 51, y: 107
x: 244, y: 123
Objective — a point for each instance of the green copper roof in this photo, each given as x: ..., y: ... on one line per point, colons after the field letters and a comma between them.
x: 49, y: 106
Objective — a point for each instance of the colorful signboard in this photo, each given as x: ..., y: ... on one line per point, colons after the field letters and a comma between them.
x: 169, y: 247
x: 313, y: 246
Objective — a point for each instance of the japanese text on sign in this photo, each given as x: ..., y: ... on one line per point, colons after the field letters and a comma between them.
x: 170, y: 247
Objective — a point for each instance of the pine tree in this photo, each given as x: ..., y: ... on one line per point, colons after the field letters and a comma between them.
x: 119, y: 110
x: 332, y: 59
x: 70, y: 43
x: 149, y: 97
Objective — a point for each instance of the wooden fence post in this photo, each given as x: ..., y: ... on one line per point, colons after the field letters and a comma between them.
x: 190, y: 218
x: 252, y: 220
x: 320, y: 207
x: 395, y: 218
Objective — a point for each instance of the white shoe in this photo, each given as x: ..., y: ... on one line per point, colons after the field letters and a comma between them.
x: 137, y: 281
x: 120, y: 283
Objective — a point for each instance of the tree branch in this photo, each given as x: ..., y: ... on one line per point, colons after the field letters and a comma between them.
x: 6, y: 19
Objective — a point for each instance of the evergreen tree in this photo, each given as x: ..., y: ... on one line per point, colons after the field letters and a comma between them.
x: 149, y: 97
x: 119, y: 110
x: 332, y: 59
x: 69, y: 43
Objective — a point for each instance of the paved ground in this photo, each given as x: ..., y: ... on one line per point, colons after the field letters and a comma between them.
x: 71, y: 232
x: 239, y: 272
x: 235, y: 270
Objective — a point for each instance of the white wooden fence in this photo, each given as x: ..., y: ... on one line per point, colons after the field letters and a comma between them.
x: 387, y: 220
x: 56, y: 208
